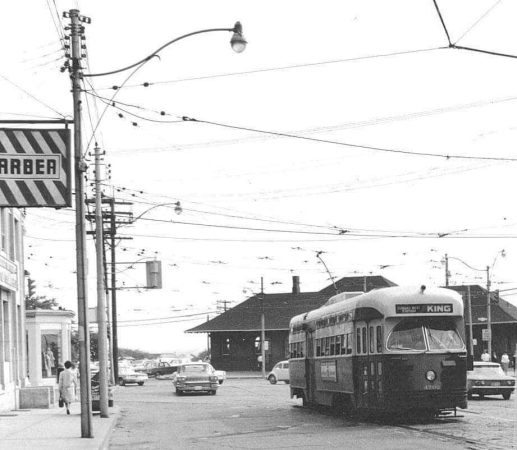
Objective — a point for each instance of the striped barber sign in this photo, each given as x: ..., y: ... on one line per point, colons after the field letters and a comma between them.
x: 35, y: 168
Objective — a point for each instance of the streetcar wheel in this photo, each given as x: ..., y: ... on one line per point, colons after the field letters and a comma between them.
x: 272, y: 379
x: 140, y: 383
x: 507, y: 395
x: 179, y: 392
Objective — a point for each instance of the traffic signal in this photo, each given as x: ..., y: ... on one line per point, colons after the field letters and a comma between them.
x: 31, y: 284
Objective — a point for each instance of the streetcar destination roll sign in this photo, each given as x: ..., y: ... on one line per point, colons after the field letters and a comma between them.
x: 422, y: 308
x: 35, y: 167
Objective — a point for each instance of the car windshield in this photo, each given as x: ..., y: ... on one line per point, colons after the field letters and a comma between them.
x: 412, y: 334
x: 195, y: 368
x: 489, y: 371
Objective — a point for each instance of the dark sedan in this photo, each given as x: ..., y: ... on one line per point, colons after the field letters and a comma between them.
x: 195, y: 377
x: 488, y: 378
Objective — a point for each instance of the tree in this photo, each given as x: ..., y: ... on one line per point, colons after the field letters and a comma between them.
x: 40, y: 302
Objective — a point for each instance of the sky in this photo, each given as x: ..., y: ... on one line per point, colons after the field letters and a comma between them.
x: 330, y: 133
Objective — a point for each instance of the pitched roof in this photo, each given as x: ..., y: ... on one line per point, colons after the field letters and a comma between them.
x: 358, y: 284
x: 278, y: 311
x: 280, y: 308
x: 500, y: 310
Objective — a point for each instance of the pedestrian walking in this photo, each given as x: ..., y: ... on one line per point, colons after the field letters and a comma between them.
x: 505, y: 362
x: 67, y: 385
x: 485, y: 356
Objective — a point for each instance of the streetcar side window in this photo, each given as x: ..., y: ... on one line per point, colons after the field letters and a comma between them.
x: 358, y: 341
x: 327, y: 346
x: 337, y: 350
x: 332, y: 345
x: 349, y: 343
x: 379, y: 339
x: 343, y: 344
x: 318, y: 347
x: 364, y: 340
x: 372, y: 340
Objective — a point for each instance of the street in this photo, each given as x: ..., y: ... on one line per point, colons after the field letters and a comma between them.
x: 251, y: 413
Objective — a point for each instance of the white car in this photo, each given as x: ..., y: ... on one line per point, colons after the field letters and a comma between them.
x: 127, y: 375
x: 279, y: 373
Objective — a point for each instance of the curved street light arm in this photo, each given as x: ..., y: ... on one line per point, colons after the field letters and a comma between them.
x: 468, y: 265
x: 177, y: 209
x: 237, y: 29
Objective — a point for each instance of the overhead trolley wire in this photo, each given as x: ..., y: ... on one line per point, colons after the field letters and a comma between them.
x: 347, y: 144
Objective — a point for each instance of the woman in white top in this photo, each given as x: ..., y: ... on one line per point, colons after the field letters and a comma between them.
x: 67, y: 385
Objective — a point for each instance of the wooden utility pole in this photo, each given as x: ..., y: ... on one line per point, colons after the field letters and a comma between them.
x: 76, y: 37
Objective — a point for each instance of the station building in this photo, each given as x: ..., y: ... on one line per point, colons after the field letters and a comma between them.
x: 234, y: 336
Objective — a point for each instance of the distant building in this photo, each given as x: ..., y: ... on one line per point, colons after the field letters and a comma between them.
x: 13, y: 356
x: 503, y: 319
x: 235, y: 335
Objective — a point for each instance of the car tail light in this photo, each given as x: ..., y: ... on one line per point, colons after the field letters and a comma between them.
x: 480, y: 383
x: 214, y: 378
x: 510, y: 383
x: 181, y: 378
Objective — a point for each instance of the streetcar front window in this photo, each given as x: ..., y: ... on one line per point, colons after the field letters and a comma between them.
x: 407, y: 335
x: 412, y: 334
x: 442, y: 335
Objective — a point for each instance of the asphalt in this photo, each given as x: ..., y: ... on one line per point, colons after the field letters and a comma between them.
x: 54, y: 429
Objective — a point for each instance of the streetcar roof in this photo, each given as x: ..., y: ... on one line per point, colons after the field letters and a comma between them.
x: 396, y: 301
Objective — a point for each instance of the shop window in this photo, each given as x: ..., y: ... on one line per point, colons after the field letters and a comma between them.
x: 51, y: 353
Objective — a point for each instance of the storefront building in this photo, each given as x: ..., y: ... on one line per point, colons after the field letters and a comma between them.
x: 13, y: 355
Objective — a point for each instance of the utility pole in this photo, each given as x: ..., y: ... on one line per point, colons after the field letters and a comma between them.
x: 101, y: 293
x: 262, y: 329
x: 488, y: 313
x: 77, y: 35
x: 471, y: 337
x: 447, y: 274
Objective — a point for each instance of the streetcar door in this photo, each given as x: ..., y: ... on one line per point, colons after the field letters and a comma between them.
x: 362, y: 369
x: 310, y: 370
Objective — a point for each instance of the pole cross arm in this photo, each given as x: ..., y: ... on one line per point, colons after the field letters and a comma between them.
x: 237, y: 42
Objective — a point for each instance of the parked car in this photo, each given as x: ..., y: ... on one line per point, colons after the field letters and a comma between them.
x: 195, y: 377
x: 488, y: 378
x: 221, y: 375
x: 127, y: 375
x: 279, y: 373
x: 162, y: 368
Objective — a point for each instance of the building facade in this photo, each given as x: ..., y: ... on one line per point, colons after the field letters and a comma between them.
x: 13, y: 354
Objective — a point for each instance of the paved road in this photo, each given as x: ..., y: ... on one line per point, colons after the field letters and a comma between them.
x: 252, y: 414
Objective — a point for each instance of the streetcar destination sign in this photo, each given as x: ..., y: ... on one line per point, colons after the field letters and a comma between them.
x: 420, y: 308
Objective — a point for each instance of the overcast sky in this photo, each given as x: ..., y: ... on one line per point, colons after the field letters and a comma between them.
x: 255, y: 204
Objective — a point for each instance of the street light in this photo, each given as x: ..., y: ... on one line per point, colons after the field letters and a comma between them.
x: 76, y: 46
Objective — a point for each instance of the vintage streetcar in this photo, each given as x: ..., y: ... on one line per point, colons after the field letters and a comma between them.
x: 395, y: 349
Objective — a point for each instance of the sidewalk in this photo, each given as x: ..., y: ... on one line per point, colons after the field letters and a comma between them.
x: 240, y: 375
x: 53, y: 429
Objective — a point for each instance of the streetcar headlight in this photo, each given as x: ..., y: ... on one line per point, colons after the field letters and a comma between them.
x: 430, y: 375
